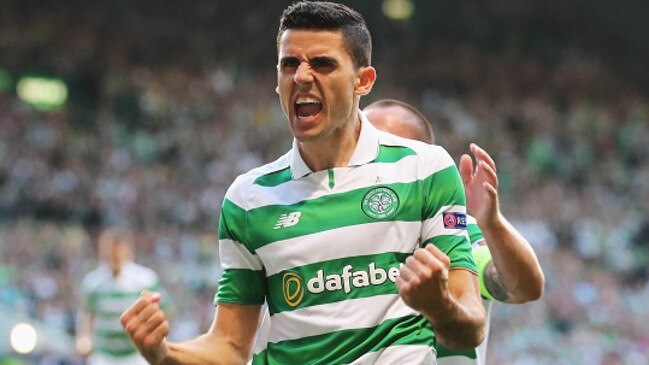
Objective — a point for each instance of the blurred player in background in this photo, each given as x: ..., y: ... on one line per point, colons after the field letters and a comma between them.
x: 106, y: 293
x: 508, y: 269
x: 326, y: 231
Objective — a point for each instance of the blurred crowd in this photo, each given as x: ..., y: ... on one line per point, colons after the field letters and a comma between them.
x: 160, y: 121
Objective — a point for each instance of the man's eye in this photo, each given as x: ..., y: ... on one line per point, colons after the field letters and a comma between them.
x: 322, y: 64
x: 290, y: 63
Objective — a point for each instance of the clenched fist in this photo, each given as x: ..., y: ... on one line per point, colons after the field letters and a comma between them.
x: 147, y: 326
x: 423, y: 280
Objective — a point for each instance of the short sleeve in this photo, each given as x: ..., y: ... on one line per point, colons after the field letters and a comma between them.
x: 243, y: 280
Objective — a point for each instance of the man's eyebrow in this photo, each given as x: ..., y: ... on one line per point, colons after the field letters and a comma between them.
x: 323, y: 60
x: 287, y: 58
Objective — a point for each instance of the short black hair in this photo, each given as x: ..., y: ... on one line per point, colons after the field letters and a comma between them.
x: 429, y: 136
x: 324, y: 15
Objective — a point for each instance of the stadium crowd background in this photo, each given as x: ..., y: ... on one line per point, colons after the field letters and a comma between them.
x: 168, y: 103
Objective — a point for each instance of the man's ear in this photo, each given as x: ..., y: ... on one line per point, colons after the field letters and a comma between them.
x: 365, y: 79
x: 277, y: 89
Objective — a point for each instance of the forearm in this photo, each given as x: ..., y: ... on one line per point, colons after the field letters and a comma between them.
x: 229, y: 340
x: 518, y: 276
x: 459, y: 323
x: 83, y: 330
x: 206, y: 349
x: 449, y: 298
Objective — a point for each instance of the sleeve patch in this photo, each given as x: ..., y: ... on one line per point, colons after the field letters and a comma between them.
x: 454, y: 220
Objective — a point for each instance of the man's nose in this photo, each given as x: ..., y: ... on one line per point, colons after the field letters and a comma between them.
x: 303, y: 74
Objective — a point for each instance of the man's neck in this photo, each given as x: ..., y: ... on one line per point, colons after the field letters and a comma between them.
x: 334, y: 151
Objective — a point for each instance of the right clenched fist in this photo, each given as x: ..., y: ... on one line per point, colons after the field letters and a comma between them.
x: 147, y: 327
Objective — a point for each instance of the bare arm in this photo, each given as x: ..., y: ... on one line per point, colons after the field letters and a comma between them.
x: 462, y: 325
x: 514, y: 274
x: 83, y: 341
x: 229, y: 340
x: 450, y: 299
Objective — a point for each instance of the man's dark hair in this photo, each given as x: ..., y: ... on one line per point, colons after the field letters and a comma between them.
x: 419, y: 116
x: 324, y: 15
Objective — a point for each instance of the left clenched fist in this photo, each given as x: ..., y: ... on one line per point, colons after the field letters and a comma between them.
x: 423, y: 279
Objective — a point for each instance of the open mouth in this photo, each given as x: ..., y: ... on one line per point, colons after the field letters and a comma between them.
x: 307, y: 107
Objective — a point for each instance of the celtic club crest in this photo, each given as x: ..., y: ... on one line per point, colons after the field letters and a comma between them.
x: 380, y: 203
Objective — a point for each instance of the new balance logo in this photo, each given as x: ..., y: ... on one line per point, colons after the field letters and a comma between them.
x: 287, y: 220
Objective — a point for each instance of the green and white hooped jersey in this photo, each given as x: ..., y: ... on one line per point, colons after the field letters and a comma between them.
x: 106, y: 297
x: 324, y: 249
x: 482, y: 257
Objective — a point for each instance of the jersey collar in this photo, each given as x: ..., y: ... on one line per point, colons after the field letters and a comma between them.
x: 366, y: 151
